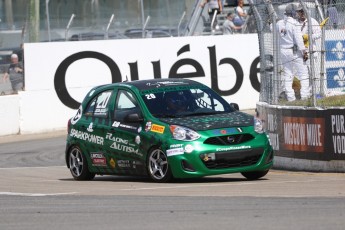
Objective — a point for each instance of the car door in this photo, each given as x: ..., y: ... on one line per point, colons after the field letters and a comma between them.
x: 96, y: 124
x: 124, y: 139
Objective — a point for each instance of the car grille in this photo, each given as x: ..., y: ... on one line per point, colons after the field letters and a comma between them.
x: 233, y: 159
x: 229, y: 140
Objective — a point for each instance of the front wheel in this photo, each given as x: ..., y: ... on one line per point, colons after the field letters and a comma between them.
x: 254, y: 175
x: 78, y: 165
x: 158, y: 167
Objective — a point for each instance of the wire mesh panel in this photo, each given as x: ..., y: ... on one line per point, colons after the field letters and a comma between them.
x: 324, y: 39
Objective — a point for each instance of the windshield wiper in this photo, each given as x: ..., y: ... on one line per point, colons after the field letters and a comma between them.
x: 203, y: 113
x: 158, y: 115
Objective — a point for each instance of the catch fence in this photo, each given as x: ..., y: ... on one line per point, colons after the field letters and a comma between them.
x: 326, y: 63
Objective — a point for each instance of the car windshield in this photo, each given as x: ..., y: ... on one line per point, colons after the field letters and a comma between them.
x: 186, y: 102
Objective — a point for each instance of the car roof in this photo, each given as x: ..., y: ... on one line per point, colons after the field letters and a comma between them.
x: 162, y: 83
x: 143, y: 85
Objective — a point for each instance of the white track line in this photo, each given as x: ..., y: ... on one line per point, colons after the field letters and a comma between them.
x: 35, y: 194
x: 227, y: 184
x: 38, y: 167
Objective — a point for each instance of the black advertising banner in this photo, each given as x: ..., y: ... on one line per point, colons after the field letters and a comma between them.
x: 305, y: 134
x: 335, y: 122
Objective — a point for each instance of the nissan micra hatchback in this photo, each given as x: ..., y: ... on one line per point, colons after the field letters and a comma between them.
x: 164, y: 129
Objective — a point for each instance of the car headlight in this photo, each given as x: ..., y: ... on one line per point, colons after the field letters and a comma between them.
x: 258, y: 127
x: 183, y: 134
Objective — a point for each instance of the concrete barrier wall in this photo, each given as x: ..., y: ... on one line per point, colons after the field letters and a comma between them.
x: 59, y: 74
x: 305, y: 138
x: 9, y: 115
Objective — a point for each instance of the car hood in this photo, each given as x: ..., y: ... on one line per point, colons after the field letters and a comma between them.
x: 215, y: 121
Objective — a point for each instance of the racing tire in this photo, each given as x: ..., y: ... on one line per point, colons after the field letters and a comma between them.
x: 78, y: 165
x: 254, y: 175
x: 158, y: 166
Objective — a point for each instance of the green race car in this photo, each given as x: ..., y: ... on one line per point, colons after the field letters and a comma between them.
x: 164, y: 129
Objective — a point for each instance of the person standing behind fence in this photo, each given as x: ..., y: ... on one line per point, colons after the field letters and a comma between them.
x: 213, y: 5
x: 313, y: 41
x: 289, y: 37
x: 229, y: 26
x: 15, y: 73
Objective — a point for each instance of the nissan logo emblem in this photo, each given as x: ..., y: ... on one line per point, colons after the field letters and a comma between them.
x: 230, y: 139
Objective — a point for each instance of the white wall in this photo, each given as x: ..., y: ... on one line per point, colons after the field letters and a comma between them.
x: 9, y: 115
x: 39, y: 109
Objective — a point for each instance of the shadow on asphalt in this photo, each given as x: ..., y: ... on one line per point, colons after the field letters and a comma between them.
x: 115, y: 178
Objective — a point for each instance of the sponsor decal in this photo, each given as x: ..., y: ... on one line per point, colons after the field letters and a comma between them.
x: 124, y: 148
x: 98, y: 159
x: 304, y: 134
x: 166, y: 83
x: 174, y: 152
x: 137, y: 139
x: 338, y: 133
x: 148, y: 126
x: 118, y: 124
x: 157, y: 128
x: 87, y: 137
x: 176, y: 146
x: 124, y: 163
x: 272, y: 130
x: 76, y: 118
x: 122, y: 144
x: 90, y: 128
x: 102, y: 104
x: 189, y: 148
x: 232, y: 148
x: 224, y: 131
x: 109, y: 136
x: 112, y: 163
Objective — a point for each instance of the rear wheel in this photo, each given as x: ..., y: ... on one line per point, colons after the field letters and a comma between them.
x: 254, y: 175
x: 78, y: 165
x: 158, y: 167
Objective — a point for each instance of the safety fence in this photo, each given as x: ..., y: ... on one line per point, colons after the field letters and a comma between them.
x: 326, y: 57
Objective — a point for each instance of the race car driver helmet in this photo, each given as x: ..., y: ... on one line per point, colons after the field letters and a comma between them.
x: 176, y: 101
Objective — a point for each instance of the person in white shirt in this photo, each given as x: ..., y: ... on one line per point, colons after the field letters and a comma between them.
x: 314, y: 41
x: 290, y: 36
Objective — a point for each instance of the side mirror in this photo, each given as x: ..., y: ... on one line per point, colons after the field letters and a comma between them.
x: 133, y: 118
x: 235, y: 106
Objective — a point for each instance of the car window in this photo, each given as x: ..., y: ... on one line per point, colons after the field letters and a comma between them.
x: 207, y: 100
x: 188, y: 102
x: 126, y: 104
x: 98, y: 106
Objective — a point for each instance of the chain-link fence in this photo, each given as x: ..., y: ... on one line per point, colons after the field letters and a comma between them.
x: 324, y: 41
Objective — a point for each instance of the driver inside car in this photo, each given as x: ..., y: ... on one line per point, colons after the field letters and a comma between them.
x: 176, y: 102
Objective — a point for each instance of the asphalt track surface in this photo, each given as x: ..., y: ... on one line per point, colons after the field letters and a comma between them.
x: 38, y: 192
